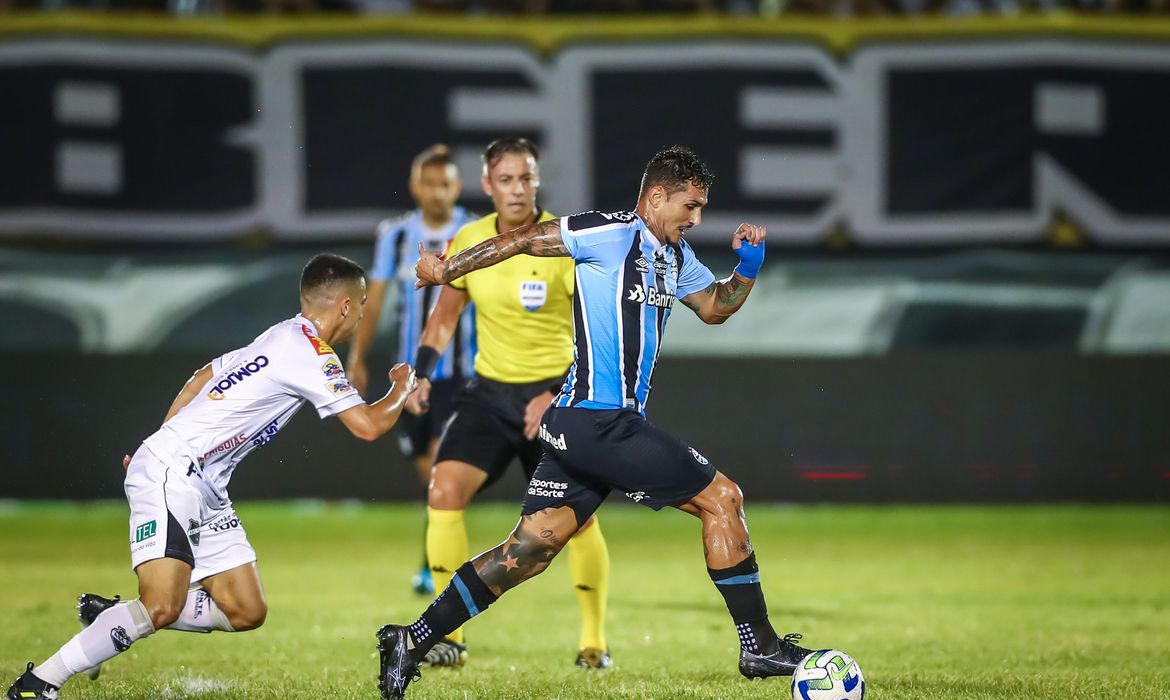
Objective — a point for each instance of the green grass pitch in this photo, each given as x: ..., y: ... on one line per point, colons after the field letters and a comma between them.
x: 934, y: 602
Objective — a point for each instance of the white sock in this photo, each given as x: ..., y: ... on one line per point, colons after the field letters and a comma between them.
x: 111, y: 633
x: 201, y: 614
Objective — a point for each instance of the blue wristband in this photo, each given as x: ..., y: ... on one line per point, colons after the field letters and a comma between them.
x: 751, y: 258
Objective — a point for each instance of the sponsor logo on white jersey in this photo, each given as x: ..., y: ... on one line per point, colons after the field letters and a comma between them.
x: 266, y: 433
x: 225, y: 522
x: 554, y: 442
x: 237, y: 375
x: 223, y: 447
x: 339, y: 387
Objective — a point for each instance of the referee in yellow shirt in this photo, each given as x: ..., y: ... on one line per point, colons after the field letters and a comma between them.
x: 524, y: 327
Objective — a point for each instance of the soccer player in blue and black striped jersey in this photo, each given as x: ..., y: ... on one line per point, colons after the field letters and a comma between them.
x: 435, y: 187
x: 630, y: 268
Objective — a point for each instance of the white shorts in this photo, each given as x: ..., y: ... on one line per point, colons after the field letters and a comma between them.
x: 170, y: 518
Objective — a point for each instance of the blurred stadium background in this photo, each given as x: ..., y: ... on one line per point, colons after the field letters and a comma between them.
x: 967, y: 293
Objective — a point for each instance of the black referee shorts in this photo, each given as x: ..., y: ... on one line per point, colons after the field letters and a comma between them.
x: 487, y: 428
x: 415, y: 432
x: 589, y: 453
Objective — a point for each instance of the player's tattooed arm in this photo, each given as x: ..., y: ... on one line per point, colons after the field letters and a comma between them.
x: 527, y: 551
x: 189, y: 391
x: 721, y: 299
x: 541, y: 239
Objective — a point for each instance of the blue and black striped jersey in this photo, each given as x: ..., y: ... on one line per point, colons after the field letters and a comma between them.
x: 395, y: 253
x: 627, y: 283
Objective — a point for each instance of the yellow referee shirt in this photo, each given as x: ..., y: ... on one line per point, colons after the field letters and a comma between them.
x: 523, y: 310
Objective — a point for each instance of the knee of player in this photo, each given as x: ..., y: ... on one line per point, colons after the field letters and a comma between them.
x: 727, y: 493
x: 163, y: 613
x: 249, y: 618
x: 445, y: 494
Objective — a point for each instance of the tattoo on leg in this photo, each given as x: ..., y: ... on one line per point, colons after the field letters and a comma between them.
x: 517, y: 559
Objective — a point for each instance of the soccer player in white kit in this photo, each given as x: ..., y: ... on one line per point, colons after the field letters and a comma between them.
x: 183, y: 528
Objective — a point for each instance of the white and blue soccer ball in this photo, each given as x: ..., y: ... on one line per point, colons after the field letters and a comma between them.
x: 828, y: 674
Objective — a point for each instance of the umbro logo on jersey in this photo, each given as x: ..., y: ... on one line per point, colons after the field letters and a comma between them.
x: 650, y: 297
x: 236, y: 376
x: 642, y: 265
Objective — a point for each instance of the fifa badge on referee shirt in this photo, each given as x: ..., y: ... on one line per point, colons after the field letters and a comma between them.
x: 533, y: 294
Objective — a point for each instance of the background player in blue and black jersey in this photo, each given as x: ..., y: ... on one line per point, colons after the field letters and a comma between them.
x: 435, y: 187
x: 630, y: 268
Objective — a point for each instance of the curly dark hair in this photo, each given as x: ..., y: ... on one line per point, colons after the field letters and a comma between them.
x: 673, y: 168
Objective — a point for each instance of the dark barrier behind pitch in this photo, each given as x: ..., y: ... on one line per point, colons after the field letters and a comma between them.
x: 916, y: 428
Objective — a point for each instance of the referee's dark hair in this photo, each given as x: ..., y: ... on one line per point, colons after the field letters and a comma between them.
x: 327, y: 269
x: 673, y: 168
x: 508, y: 144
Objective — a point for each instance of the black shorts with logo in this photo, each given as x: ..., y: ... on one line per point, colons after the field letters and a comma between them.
x: 487, y: 428
x: 589, y: 453
x: 415, y: 432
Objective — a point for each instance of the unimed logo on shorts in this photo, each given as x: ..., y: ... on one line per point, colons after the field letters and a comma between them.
x: 145, y: 531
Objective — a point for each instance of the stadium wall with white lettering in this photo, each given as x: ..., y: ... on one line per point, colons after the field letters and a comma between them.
x: 976, y: 427
x: 933, y: 133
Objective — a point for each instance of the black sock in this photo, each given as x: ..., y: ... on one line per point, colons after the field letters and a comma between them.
x: 740, y: 586
x: 464, y: 598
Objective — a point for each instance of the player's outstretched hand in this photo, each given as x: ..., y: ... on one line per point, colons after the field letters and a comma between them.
x: 428, y: 269
x: 404, y: 380
x: 419, y: 402
x: 748, y: 244
x: 534, y: 412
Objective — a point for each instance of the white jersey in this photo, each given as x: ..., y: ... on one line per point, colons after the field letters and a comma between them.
x: 253, y: 393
